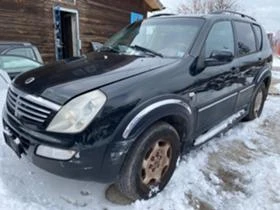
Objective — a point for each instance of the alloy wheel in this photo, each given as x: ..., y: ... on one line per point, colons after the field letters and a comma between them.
x: 258, y: 102
x: 156, y: 163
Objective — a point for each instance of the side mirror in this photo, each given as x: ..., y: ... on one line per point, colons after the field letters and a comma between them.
x: 96, y: 46
x: 219, y: 58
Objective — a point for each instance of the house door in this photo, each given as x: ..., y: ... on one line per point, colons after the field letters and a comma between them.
x: 67, y: 41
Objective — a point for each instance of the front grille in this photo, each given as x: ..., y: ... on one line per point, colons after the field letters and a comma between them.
x: 24, y: 109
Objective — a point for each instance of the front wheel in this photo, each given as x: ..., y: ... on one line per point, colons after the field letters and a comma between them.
x: 257, y: 104
x: 151, y: 163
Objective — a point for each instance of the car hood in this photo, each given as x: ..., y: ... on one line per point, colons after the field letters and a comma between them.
x: 64, y: 80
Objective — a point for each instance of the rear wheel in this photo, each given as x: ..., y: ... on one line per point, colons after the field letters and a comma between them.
x: 151, y: 163
x: 257, y: 104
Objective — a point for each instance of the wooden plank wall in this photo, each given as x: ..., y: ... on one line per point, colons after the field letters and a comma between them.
x: 100, y: 19
x: 32, y: 21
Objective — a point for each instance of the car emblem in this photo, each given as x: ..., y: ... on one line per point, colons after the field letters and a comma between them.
x: 29, y: 80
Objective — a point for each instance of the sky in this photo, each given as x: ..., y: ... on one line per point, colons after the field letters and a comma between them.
x: 267, y: 12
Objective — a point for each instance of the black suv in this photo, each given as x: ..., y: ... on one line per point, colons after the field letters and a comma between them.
x: 155, y: 90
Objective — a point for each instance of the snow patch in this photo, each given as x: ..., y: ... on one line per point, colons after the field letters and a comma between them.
x: 153, y: 190
x: 276, y: 61
x: 214, y: 178
x: 276, y: 74
x: 277, y: 86
x: 250, y: 145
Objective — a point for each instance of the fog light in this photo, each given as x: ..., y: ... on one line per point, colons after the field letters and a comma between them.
x: 54, y: 153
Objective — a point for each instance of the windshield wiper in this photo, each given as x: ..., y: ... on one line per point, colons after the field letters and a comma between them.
x: 109, y: 49
x: 146, y: 50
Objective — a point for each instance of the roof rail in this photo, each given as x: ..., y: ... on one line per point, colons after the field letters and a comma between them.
x: 234, y: 13
x: 161, y: 14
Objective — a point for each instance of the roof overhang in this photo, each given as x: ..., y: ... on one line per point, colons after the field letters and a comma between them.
x: 155, y: 5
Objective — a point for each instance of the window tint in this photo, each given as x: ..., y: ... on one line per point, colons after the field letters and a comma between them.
x: 220, y: 38
x: 245, y: 38
x: 258, y: 32
x: 25, y: 52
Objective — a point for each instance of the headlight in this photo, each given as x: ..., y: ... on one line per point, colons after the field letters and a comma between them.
x: 78, y: 113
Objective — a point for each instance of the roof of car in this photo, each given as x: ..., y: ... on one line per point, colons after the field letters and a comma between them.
x: 6, y: 45
x: 15, y: 43
x: 225, y: 14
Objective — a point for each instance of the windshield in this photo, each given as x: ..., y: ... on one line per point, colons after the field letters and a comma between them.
x: 171, y: 37
x: 12, y: 64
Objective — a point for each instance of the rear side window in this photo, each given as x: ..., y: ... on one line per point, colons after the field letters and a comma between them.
x: 258, y: 32
x: 220, y: 38
x: 25, y: 52
x: 246, y: 42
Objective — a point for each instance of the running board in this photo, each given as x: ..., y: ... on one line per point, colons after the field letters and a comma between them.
x: 219, y: 128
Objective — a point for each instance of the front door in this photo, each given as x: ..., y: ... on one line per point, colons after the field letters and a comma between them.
x: 217, y: 86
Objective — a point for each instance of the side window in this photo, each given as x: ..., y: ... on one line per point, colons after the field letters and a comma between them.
x: 25, y: 52
x: 258, y: 32
x: 245, y: 38
x: 220, y: 38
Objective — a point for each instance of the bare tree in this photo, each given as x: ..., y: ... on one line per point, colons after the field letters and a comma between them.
x: 193, y: 7
x: 206, y: 6
x: 225, y: 5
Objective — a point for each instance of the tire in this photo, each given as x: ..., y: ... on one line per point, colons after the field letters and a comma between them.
x: 151, y: 162
x: 256, y: 107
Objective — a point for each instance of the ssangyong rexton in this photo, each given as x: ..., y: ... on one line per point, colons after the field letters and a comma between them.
x: 155, y: 90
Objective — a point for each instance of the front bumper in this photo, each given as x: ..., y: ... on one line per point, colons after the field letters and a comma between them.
x: 97, y: 162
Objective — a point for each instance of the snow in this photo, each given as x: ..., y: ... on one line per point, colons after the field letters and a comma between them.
x: 276, y: 74
x: 277, y: 86
x: 276, y: 61
x: 237, y: 171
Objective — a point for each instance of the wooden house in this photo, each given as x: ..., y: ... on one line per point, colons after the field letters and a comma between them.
x: 66, y: 28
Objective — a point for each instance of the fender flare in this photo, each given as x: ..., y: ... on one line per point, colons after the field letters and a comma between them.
x: 157, y: 110
x: 141, y: 118
x: 266, y: 73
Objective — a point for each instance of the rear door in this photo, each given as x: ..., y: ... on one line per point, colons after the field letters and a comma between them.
x: 249, y: 43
